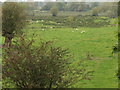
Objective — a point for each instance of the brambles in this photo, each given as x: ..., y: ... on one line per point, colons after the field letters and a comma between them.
x: 44, y: 66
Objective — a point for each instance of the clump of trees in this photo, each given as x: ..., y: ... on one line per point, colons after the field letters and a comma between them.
x: 72, y: 21
x: 49, y: 5
x: 107, y: 9
x: 70, y: 6
x: 13, y: 20
x: 54, y: 11
x: 95, y: 12
x: 77, y: 6
x: 44, y: 66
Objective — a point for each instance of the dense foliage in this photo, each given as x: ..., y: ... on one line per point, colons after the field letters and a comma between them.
x: 68, y: 6
x: 13, y: 20
x: 88, y: 8
x: 74, y: 21
x: 54, y: 11
x: 118, y: 74
x: 44, y: 66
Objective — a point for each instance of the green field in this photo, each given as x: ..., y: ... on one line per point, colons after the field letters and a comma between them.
x: 59, y: 45
x: 97, y: 41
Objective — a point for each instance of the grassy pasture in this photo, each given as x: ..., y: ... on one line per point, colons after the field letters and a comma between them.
x: 97, y: 42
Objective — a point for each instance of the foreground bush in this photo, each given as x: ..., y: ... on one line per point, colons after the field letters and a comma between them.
x: 45, y: 66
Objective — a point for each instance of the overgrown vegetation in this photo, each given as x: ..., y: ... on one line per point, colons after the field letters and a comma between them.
x: 89, y: 36
x: 13, y: 20
x: 75, y: 21
x: 54, y: 11
x: 44, y: 66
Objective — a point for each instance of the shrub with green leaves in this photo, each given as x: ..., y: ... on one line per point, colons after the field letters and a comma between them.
x: 13, y: 20
x: 54, y: 11
x: 43, y: 66
x: 71, y: 21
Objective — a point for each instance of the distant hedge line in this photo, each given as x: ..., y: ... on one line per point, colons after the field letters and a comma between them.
x: 75, y: 21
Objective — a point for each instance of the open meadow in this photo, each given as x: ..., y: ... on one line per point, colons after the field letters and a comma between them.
x: 91, y: 45
x: 89, y: 38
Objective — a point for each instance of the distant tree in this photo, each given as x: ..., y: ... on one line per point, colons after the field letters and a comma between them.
x: 13, y: 20
x: 111, y: 14
x: 95, y: 12
x: 54, y: 11
x: 60, y: 6
x: 94, y: 4
x: 82, y: 6
x: 48, y: 6
x: 71, y: 20
x: 73, y: 6
x: 109, y: 9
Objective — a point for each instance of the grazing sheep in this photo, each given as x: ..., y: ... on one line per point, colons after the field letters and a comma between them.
x: 37, y: 21
x: 43, y: 29
x: 82, y: 31
x: 76, y: 29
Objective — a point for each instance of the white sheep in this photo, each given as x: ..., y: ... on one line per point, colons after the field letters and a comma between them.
x: 82, y: 31
x: 76, y: 29
x: 43, y: 29
x: 37, y: 21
